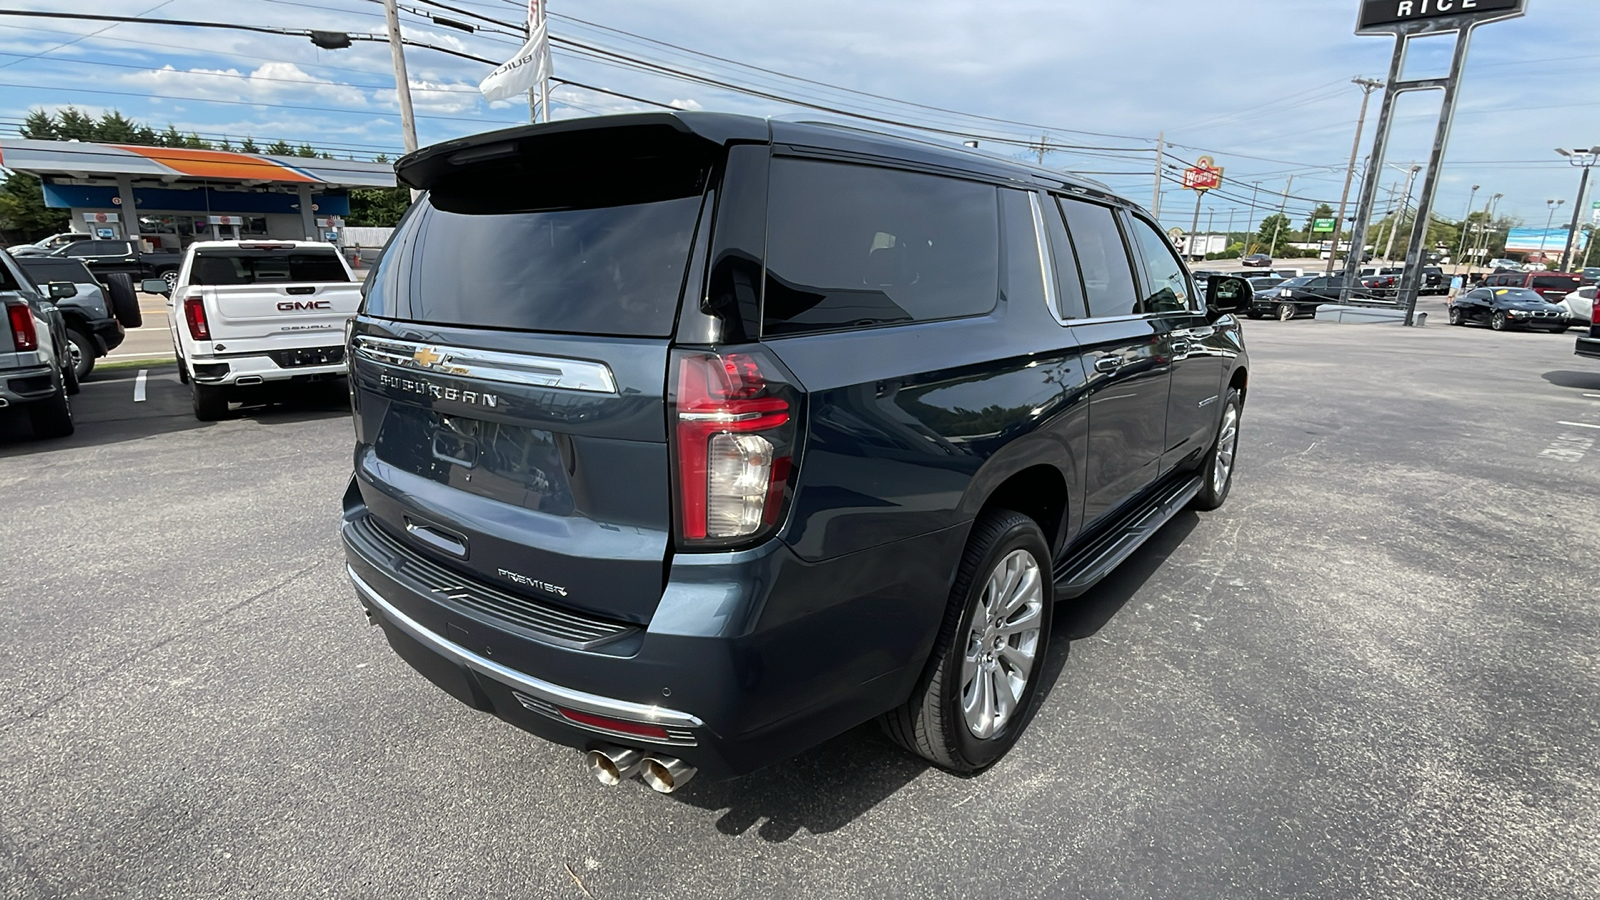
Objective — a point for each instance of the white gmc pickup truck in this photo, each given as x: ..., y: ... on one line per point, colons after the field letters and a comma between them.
x: 252, y: 313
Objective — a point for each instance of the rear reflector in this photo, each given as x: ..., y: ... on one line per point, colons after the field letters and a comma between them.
x: 621, y: 726
x: 22, y: 332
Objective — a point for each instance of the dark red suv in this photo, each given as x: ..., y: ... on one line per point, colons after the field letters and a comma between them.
x: 1550, y: 285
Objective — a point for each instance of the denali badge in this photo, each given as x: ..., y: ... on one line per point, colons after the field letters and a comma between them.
x: 474, y: 398
x: 545, y: 586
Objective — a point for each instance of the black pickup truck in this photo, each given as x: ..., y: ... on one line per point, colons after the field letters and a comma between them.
x: 127, y: 257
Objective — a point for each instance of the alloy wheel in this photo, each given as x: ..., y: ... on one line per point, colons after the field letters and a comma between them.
x: 1002, y: 644
x: 1227, y: 444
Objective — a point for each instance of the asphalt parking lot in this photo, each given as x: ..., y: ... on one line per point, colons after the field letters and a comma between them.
x: 1374, y: 673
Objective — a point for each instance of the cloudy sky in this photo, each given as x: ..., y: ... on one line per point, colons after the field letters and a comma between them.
x: 1263, y: 86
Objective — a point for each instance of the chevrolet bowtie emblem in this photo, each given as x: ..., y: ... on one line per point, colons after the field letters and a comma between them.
x: 425, y: 357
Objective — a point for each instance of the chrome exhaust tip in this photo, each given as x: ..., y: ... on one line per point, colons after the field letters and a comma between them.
x: 665, y: 774
x: 613, y: 765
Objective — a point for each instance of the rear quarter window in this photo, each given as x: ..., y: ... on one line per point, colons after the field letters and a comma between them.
x: 1555, y: 283
x: 852, y: 246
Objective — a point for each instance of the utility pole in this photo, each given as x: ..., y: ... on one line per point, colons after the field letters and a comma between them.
x: 1250, y: 221
x: 1488, y: 226
x: 402, y: 83
x: 1465, y: 221
x: 1405, y: 207
x: 1229, y: 238
x: 1554, y: 205
x: 1198, y: 196
x: 1282, y: 208
x: 1161, y: 152
x: 1211, y: 221
x: 1584, y: 159
x: 1367, y: 85
x: 1042, y: 146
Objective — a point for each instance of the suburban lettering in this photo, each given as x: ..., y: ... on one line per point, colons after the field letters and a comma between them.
x: 474, y: 398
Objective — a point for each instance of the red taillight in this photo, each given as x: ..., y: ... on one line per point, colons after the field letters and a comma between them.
x: 734, y: 428
x: 194, y: 312
x: 22, y: 332
x: 622, y: 726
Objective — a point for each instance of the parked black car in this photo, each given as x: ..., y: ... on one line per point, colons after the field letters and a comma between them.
x: 743, y: 432
x: 1501, y: 308
x: 35, y: 365
x: 1295, y: 298
x: 126, y: 258
x: 46, y: 245
x: 97, y: 317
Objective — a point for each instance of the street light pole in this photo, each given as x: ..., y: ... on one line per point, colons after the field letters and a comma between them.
x: 1466, y: 220
x: 1367, y: 86
x: 1411, y: 177
x: 1545, y: 235
x: 1277, y: 227
x: 1250, y: 221
x: 1585, y: 159
x: 1488, y: 226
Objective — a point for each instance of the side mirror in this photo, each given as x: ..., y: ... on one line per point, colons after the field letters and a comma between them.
x: 155, y: 286
x: 1227, y: 294
x: 61, y: 290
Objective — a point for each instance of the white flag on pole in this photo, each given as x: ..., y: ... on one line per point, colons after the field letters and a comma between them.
x: 522, y: 72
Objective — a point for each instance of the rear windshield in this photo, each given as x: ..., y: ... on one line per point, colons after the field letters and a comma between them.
x: 570, y: 236
x: 235, y: 267
x: 43, y: 270
x: 1555, y: 282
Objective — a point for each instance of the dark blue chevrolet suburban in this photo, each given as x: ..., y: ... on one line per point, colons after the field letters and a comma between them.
x: 693, y: 440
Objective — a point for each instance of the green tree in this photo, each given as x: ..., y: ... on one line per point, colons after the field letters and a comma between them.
x: 23, y: 215
x: 378, y: 207
x: 305, y: 150
x: 115, y: 128
x: 172, y: 137
x: 279, y: 148
x: 39, y: 126
x: 1276, y: 224
x: 72, y: 125
x: 248, y: 145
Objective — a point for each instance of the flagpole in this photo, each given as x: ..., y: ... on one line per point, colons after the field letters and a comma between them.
x: 544, y: 83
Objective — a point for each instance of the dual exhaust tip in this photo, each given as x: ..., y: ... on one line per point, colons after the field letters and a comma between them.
x: 613, y: 765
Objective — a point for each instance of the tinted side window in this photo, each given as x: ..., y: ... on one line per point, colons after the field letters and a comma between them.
x: 1024, y: 277
x: 1102, y: 259
x: 1166, y: 278
x: 855, y: 246
x: 82, y: 248
x: 8, y: 282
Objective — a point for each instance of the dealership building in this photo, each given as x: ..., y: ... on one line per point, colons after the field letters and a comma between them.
x: 170, y: 197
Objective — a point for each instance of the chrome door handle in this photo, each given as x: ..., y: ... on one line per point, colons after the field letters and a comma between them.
x: 1180, y: 348
x: 1107, y: 364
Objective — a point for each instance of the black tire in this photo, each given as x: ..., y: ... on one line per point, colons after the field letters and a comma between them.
x: 69, y: 378
x: 123, y: 301
x: 1455, y: 316
x: 82, y: 354
x: 1498, y: 321
x: 183, y: 367
x: 931, y: 723
x: 210, y: 402
x: 52, y: 418
x: 1214, y: 489
x: 1285, y: 312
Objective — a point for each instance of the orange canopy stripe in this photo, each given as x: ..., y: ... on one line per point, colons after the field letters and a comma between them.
x: 219, y: 164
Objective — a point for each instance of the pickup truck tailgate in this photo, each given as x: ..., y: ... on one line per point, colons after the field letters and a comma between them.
x: 244, y: 312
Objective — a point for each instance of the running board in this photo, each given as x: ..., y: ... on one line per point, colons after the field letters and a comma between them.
x: 1095, y: 559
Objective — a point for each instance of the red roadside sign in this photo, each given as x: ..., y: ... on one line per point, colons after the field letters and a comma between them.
x: 1204, y: 175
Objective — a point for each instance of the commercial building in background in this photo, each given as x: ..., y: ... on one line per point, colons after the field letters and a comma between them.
x: 170, y: 197
x: 1543, y: 244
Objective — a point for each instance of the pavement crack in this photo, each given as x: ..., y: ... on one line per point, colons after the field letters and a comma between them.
x: 45, y: 707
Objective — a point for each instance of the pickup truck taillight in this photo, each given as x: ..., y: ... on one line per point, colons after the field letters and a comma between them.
x: 22, y: 333
x: 734, y: 422
x: 194, y: 312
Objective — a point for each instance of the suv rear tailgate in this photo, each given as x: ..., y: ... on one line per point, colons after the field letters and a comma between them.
x: 270, y: 313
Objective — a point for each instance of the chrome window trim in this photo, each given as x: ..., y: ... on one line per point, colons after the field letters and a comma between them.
x: 490, y: 365
x: 533, y: 687
x: 1052, y: 303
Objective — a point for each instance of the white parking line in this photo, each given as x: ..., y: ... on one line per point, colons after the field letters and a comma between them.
x: 138, y: 386
x: 1579, y: 424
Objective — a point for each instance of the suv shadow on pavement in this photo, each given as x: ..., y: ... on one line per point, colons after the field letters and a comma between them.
x: 1588, y: 381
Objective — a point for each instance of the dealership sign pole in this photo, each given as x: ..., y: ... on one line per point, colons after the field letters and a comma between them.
x: 1406, y: 19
